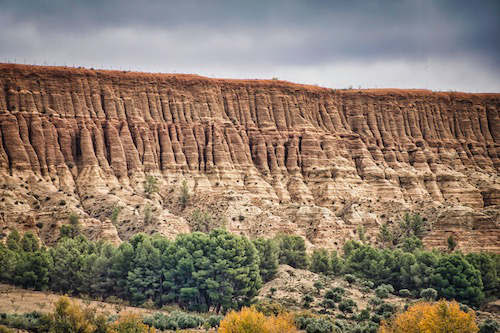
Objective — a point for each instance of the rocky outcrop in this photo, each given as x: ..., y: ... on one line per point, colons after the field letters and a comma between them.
x: 283, y: 156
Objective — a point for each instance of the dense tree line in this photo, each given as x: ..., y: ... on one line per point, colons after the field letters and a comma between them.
x: 404, y: 265
x: 220, y: 271
x: 216, y: 271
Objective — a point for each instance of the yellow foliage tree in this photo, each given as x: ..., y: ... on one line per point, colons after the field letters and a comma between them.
x: 249, y: 320
x: 130, y: 323
x: 69, y: 317
x: 438, y: 317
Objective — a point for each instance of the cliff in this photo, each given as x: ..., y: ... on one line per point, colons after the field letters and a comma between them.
x: 270, y: 156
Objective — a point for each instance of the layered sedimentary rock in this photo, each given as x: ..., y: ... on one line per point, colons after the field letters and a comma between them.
x: 270, y: 156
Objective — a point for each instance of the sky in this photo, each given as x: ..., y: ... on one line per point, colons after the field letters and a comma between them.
x: 439, y: 45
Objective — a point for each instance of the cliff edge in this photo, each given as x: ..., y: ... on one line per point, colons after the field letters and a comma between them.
x: 261, y: 156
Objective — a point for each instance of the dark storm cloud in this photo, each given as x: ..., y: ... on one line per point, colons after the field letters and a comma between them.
x: 256, y: 37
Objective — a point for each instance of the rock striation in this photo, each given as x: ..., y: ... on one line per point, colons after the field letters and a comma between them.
x: 271, y: 156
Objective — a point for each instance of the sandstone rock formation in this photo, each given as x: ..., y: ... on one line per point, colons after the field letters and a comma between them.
x: 270, y: 156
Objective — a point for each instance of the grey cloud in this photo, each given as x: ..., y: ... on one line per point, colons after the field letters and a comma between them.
x: 254, y: 37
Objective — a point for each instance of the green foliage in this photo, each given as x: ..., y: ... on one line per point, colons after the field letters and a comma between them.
x: 384, y: 290
x: 144, y: 278
x: 404, y: 293
x: 367, y: 327
x: 314, y: 324
x: 411, y: 244
x: 68, y: 257
x: 385, y: 309
x: 23, y: 263
x: 292, y: 251
x: 413, y: 225
x: 405, y: 233
x: 429, y: 294
x: 32, y: 270
x: 361, y: 233
x: 318, y: 285
x: 213, y: 321
x: 268, y: 251
x: 347, y: 305
x: 489, y: 326
x: 375, y: 301
x: 488, y: 265
x: 150, y: 185
x: 114, y: 214
x: 350, y: 278
x: 185, y: 195
x: 307, y: 300
x: 452, y: 243
x: 218, y: 271
x: 335, y: 294
x: 29, y: 242
x: 367, y: 284
x: 320, y: 261
x: 336, y: 263
x: 269, y: 308
x: 454, y: 277
x: 174, y: 321
x: 363, y: 315
x: 148, y: 214
x: 32, y: 321
x: 203, y: 221
x: 73, y: 229
x: 13, y: 240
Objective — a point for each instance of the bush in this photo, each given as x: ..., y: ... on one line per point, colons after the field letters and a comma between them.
x: 384, y: 290
x: 249, y: 320
x: 404, y: 293
x: 174, y: 320
x: 270, y: 308
x: 363, y: 315
x: 202, y: 221
x: 307, y: 300
x: 489, y: 326
x: 185, y: 196
x: 429, y: 294
x: 385, y: 309
x: 33, y: 321
x: 68, y: 316
x: 318, y: 285
x: 319, y: 325
x: 328, y: 304
x: 335, y: 294
x: 367, y: 284
x: 150, y: 185
x: 314, y: 324
x: 367, y: 327
x: 376, y: 318
x: 128, y: 322
x: 432, y: 317
x: 347, y: 306
x: 213, y: 321
x: 375, y: 301
x: 350, y: 278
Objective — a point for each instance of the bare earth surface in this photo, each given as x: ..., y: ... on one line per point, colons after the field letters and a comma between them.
x: 263, y: 156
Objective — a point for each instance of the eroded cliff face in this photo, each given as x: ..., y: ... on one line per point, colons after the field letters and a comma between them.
x: 269, y: 156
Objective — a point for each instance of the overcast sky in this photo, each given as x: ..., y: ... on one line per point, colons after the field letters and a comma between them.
x: 439, y: 45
